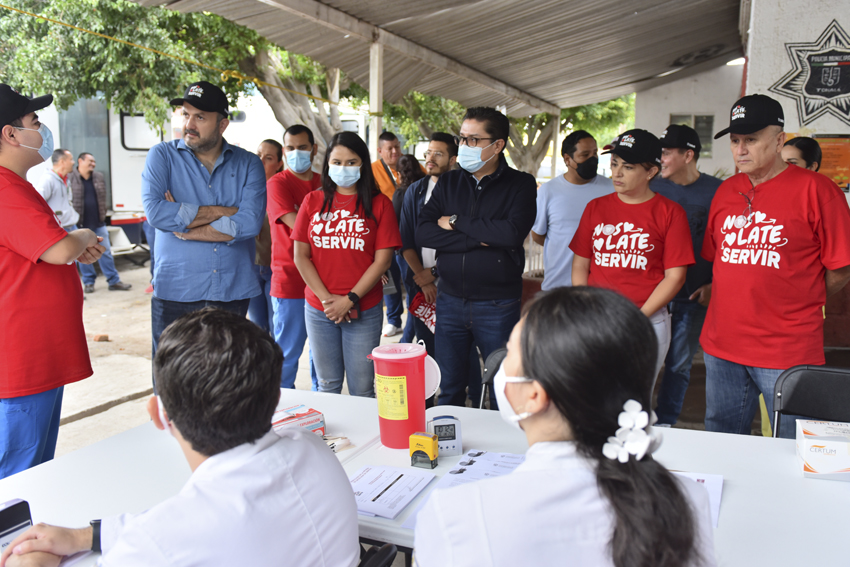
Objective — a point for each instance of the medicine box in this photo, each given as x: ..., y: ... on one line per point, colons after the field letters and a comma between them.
x: 824, y: 449
x: 299, y: 416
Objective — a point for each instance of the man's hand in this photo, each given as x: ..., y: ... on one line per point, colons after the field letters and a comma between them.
x: 702, y: 295
x: 50, y: 539
x: 169, y: 197
x: 430, y: 293
x: 444, y: 223
x: 93, y: 253
x: 424, y: 277
x: 204, y: 233
x: 337, y: 308
x: 35, y: 559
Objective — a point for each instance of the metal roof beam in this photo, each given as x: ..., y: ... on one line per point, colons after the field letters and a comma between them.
x: 339, y: 21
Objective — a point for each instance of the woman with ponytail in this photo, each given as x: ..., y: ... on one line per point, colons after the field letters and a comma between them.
x: 576, y: 380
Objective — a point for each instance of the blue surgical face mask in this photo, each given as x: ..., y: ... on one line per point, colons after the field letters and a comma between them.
x: 470, y: 158
x: 46, y: 149
x: 299, y: 161
x: 344, y: 175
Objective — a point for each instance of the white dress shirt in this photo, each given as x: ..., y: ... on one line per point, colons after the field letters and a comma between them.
x: 549, y: 511
x: 283, y: 500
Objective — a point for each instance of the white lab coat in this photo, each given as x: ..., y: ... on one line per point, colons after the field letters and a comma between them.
x: 549, y: 511
x: 283, y: 500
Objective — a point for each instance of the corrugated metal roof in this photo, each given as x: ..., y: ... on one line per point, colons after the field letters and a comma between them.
x: 564, y: 53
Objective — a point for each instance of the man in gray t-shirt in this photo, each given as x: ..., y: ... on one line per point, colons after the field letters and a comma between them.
x: 561, y: 202
x: 53, y: 187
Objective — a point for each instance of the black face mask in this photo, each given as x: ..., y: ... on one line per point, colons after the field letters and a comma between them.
x: 587, y: 169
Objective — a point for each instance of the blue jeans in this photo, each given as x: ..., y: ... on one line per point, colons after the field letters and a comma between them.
x: 260, y: 309
x: 732, y: 397
x: 687, y: 320
x: 290, y: 333
x: 106, y: 262
x: 460, y: 322
x: 165, y: 312
x: 29, y: 426
x: 395, y: 305
x: 340, y: 350
x: 409, y: 331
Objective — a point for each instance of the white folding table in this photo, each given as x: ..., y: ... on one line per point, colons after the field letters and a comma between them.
x: 769, y: 515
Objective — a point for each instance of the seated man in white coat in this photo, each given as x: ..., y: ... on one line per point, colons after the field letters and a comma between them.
x: 255, y: 497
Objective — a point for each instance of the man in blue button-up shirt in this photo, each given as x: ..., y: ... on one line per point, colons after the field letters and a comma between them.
x: 207, y: 200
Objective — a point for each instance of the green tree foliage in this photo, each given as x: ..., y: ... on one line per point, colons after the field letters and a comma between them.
x: 39, y: 56
x: 605, y: 120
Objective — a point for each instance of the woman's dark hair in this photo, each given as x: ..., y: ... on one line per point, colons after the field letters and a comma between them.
x: 366, y: 186
x: 809, y: 149
x: 409, y: 170
x: 277, y: 146
x: 592, y: 350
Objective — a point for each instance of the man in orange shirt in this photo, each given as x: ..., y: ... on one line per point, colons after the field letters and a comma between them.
x: 384, y: 170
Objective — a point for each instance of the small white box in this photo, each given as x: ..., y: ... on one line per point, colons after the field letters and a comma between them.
x: 824, y: 449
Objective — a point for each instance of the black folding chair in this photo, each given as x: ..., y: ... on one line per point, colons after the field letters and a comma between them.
x: 379, y: 556
x: 491, y: 366
x: 819, y: 392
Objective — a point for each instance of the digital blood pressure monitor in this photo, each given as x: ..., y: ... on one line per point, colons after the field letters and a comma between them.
x: 447, y: 430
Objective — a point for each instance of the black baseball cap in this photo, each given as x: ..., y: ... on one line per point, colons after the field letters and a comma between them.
x: 14, y: 105
x: 204, y: 96
x: 637, y: 146
x: 753, y: 113
x: 681, y: 136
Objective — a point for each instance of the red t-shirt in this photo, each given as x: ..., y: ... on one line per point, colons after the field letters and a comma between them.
x: 42, y: 340
x: 769, y: 271
x: 343, y: 245
x: 285, y: 194
x: 630, y: 246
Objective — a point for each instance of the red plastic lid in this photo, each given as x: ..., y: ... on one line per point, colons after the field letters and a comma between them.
x: 399, y: 351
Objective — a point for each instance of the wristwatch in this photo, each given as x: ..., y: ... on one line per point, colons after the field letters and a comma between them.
x: 452, y: 221
x: 95, y: 535
x: 434, y: 271
x: 353, y: 297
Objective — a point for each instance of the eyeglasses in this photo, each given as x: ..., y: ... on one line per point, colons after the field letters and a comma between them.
x: 742, y: 219
x: 471, y: 142
x: 435, y: 155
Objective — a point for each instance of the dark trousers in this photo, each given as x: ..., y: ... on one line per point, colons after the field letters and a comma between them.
x: 164, y: 312
x: 460, y: 323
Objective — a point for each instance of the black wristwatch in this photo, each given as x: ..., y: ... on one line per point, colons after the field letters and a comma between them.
x: 353, y: 297
x: 452, y: 221
x: 434, y: 271
x: 95, y: 535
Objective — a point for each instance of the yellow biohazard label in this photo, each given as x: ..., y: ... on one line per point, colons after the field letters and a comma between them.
x: 391, y: 392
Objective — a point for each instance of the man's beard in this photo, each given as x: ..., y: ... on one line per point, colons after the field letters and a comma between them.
x: 202, y: 145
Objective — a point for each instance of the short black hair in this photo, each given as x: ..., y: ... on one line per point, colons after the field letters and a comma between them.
x: 84, y: 154
x: 276, y: 145
x: 568, y: 146
x: 495, y: 123
x: 387, y: 137
x: 809, y: 149
x: 218, y: 375
x: 58, y: 154
x: 447, y: 139
x: 298, y: 129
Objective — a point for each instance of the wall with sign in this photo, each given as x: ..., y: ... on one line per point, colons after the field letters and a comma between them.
x: 799, y: 53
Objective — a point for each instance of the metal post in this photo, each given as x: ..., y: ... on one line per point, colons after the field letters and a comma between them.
x: 376, y: 96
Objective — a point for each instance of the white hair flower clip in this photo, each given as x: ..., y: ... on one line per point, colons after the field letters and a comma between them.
x: 636, y: 436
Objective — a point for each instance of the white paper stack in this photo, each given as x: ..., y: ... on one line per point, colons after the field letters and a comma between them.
x: 386, y: 491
